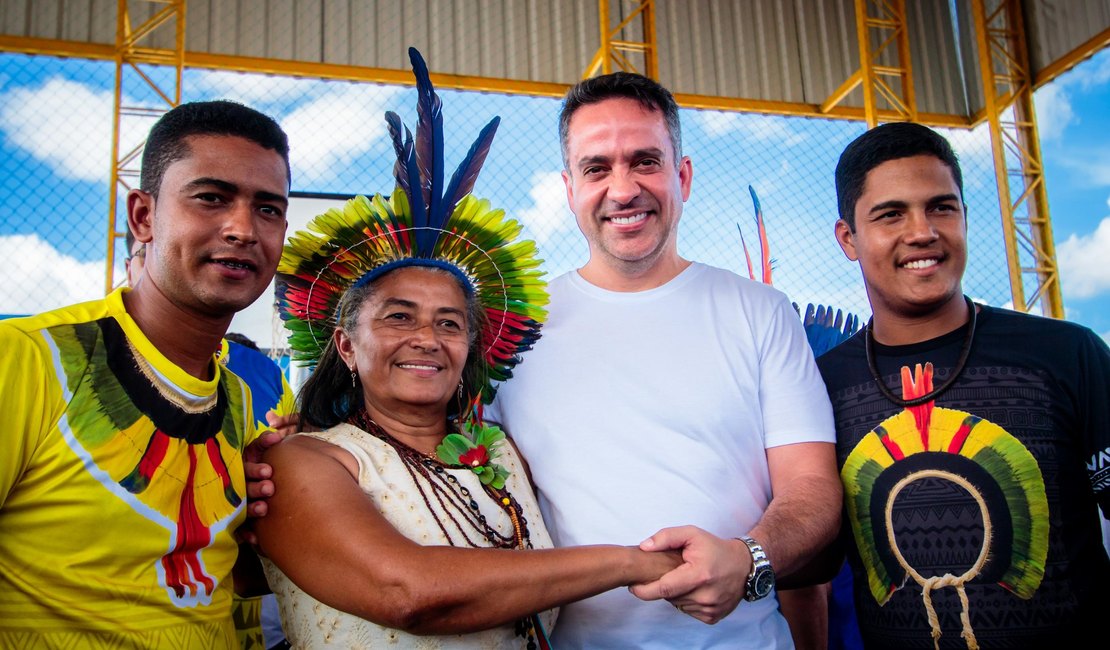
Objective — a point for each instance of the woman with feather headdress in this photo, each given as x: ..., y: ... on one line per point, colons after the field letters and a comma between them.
x: 408, y: 515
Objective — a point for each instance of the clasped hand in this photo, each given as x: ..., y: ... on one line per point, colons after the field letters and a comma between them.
x: 711, y: 580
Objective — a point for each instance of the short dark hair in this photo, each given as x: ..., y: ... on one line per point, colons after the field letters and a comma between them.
x: 328, y: 398
x: 887, y: 142
x: 652, y: 96
x: 166, y: 142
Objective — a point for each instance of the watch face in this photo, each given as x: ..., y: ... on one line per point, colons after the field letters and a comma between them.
x: 763, y: 583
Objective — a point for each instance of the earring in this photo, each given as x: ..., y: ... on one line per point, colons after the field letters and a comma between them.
x: 460, y: 396
x: 354, y: 378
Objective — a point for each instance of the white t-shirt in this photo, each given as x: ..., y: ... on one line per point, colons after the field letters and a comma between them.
x: 638, y: 411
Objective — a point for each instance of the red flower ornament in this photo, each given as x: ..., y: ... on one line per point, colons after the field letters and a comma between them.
x: 475, y: 457
x: 475, y: 448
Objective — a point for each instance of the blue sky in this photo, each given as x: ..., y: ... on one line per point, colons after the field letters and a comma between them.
x: 55, y: 120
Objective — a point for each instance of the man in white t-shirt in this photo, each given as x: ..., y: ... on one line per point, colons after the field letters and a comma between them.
x: 669, y: 402
x: 668, y: 394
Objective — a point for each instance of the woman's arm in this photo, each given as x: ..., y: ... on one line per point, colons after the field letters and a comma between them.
x: 358, y: 563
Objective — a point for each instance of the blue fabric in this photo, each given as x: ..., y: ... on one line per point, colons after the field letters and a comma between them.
x: 260, y: 373
x: 843, y: 628
x: 379, y: 271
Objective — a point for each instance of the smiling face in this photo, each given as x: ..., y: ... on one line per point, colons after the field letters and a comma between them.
x: 626, y: 190
x: 910, y: 239
x: 409, y: 345
x: 214, y: 231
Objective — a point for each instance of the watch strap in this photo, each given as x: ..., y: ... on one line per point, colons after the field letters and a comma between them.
x: 761, y: 567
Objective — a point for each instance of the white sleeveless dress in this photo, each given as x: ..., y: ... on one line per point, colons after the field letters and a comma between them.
x: 309, y: 623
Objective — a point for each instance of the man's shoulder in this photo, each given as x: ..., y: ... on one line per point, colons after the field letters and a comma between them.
x: 1017, y: 330
x: 1023, y: 321
x: 747, y: 289
x: 719, y: 274
x: 82, y: 312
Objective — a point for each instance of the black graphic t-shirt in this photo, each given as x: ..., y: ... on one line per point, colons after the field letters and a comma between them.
x: 975, y: 517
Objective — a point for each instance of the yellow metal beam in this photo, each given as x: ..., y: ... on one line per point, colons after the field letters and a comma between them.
x: 371, y: 75
x: 205, y: 60
x: 131, y: 56
x: 614, y: 49
x: 800, y: 109
x: 880, y: 29
x: 53, y: 47
x: 867, y: 78
x: 1015, y: 143
x: 880, y: 24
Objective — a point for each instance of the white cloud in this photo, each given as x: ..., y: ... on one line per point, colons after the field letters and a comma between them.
x: 758, y: 128
x: 1053, y: 101
x: 549, y: 214
x: 329, y: 123
x: 1082, y: 258
x: 972, y: 146
x: 64, y: 123
x: 1094, y: 74
x: 336, y: 127
x: 36, y: 277
x: 1054, y: 112
x: 340, y: 122
x: 256, y: 89
x: 68, y: 125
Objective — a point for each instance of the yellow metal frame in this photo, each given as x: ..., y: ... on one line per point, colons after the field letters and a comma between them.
x: 880, y: 28
x: 1003, y: 59
x: 615, y: 49
x: 204, y: 60
x: 131, y: 54
x: 1008, y: 96
x: 830, y: 108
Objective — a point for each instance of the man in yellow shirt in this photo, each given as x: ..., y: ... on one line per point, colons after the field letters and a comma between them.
x: 121, y: 462
x: 256, y: 617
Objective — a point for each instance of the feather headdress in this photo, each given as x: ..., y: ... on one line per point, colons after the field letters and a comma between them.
x: 422, y: 223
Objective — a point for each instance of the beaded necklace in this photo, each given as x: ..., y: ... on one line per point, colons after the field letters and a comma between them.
x: 456, y: 499
x: 433, y: 481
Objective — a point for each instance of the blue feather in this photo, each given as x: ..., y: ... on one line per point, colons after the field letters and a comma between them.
x: 462, y: 181
x: 416, y: 199
x: 399, y: 171
x: 824, y: 330
x: 429, y: 151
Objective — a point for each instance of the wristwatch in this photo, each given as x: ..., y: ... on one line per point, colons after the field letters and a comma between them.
x: 761, y: 579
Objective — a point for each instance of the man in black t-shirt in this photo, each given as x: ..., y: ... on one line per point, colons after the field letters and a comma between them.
x: 973, y: 442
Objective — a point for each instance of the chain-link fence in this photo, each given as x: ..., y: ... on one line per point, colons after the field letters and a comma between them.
x: 56, y: 124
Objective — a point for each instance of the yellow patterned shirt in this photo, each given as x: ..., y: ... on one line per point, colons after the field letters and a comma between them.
x: 121, y: 481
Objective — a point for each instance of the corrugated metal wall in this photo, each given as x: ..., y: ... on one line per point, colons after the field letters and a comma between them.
x: 798, y: 51
x: 532, y: 40
x: 777, y: 50
x: 88, y: 21
x: 1056, y: 27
